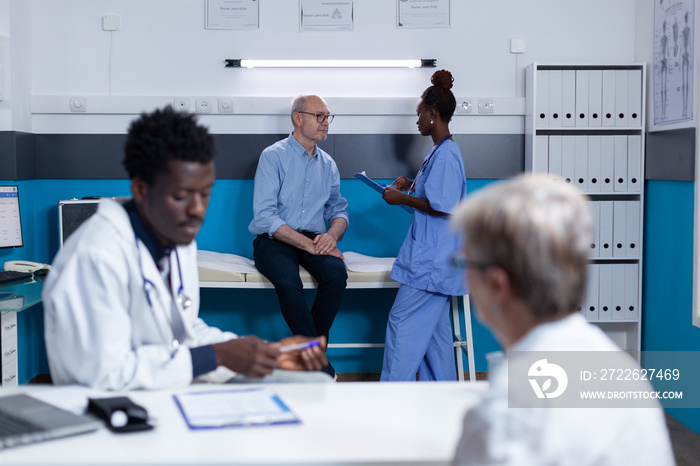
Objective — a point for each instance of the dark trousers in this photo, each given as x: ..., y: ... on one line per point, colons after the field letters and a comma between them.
x: 280, y: 262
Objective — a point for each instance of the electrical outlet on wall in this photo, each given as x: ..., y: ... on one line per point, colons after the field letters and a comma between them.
x: 78, y: 104
x: 225, y: 105
x: 465, y: 106
x: 486, y: 106
x: 204, y: 105
x: 182, y: 104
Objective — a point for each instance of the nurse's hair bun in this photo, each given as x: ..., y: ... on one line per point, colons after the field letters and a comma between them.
x: 442, y: 79
x: 439, y: 95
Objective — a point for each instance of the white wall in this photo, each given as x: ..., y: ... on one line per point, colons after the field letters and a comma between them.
x: 5, y: 107
x: 15, y: 29
x: 163, y: 49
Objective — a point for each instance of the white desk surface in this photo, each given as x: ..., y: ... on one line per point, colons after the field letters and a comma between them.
x: 342, y: 423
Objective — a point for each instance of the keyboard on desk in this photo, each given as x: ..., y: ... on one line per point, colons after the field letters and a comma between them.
x: 12, y: 275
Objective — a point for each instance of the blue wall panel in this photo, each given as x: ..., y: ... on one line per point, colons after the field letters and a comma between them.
x: 375, y: 229
x: 668, y: 276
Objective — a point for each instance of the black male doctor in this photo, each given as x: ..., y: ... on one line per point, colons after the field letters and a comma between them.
x: 122, y: 300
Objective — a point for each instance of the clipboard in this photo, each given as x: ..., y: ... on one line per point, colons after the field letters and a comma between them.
x: 233, y: 408
x: 362, y: 176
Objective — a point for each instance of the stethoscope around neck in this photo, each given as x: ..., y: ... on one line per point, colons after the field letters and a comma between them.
x: 181, y: 299
x: 412, y: 189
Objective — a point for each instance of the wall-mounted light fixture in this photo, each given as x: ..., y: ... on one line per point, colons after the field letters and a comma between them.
x: 415, y: 63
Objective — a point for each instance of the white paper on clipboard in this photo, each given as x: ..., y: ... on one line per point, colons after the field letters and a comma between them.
x: 233, y: 408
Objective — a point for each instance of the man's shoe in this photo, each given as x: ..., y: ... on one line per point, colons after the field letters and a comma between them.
x: 330, y: 371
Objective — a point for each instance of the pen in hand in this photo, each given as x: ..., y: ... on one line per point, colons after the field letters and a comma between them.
x: 299, y: 346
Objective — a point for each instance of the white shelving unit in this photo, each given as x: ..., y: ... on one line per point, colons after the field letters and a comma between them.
x: 8, y: 348
x: 585, y: 124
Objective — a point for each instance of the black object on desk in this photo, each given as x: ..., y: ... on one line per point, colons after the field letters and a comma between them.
x: 12, y: 275
x: 120, y: 414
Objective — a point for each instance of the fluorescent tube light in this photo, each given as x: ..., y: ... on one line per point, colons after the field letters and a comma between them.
x: 414, y: 63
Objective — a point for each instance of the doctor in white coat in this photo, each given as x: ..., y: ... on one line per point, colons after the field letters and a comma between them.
x: 526, y: 249
x: 122, y: 300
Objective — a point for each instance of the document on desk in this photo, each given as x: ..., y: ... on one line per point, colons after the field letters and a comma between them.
x: 234, y: 408
x: 362, y: 176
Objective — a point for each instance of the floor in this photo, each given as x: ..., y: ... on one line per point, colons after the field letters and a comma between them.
x: 686, y: 443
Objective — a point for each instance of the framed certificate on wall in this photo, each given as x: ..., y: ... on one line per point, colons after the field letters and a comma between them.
x: 319, y: 15
x: 232, y: 14
x: 423, y: 13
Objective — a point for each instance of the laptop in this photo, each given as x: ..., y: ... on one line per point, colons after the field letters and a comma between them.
x: 24, y: 419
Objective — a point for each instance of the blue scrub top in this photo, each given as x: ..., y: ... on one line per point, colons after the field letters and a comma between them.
x: 424, y: 260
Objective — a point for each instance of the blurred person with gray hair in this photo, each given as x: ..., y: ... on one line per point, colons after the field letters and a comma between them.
x: 526, y: 250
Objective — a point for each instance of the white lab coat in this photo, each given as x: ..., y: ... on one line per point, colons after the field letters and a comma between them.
x: 494, y: 433
x: 99, y: 327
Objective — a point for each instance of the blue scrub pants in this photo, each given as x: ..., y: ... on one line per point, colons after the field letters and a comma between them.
x: 418, y: 338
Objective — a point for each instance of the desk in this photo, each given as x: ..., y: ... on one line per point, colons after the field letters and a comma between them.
x: 14, y: 297
x: 342, y: 423
x: 29, y: 290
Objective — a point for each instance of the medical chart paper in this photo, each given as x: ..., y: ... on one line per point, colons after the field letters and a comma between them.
x: 233, y: 408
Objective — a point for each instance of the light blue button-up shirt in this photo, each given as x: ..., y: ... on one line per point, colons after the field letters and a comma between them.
x: 293, y: 189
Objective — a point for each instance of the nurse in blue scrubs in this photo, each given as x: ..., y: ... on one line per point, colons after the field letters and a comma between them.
x: 418, y: 334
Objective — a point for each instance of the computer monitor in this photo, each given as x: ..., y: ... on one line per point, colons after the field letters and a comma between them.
x: 10, y: 222
x: 72, y: 214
